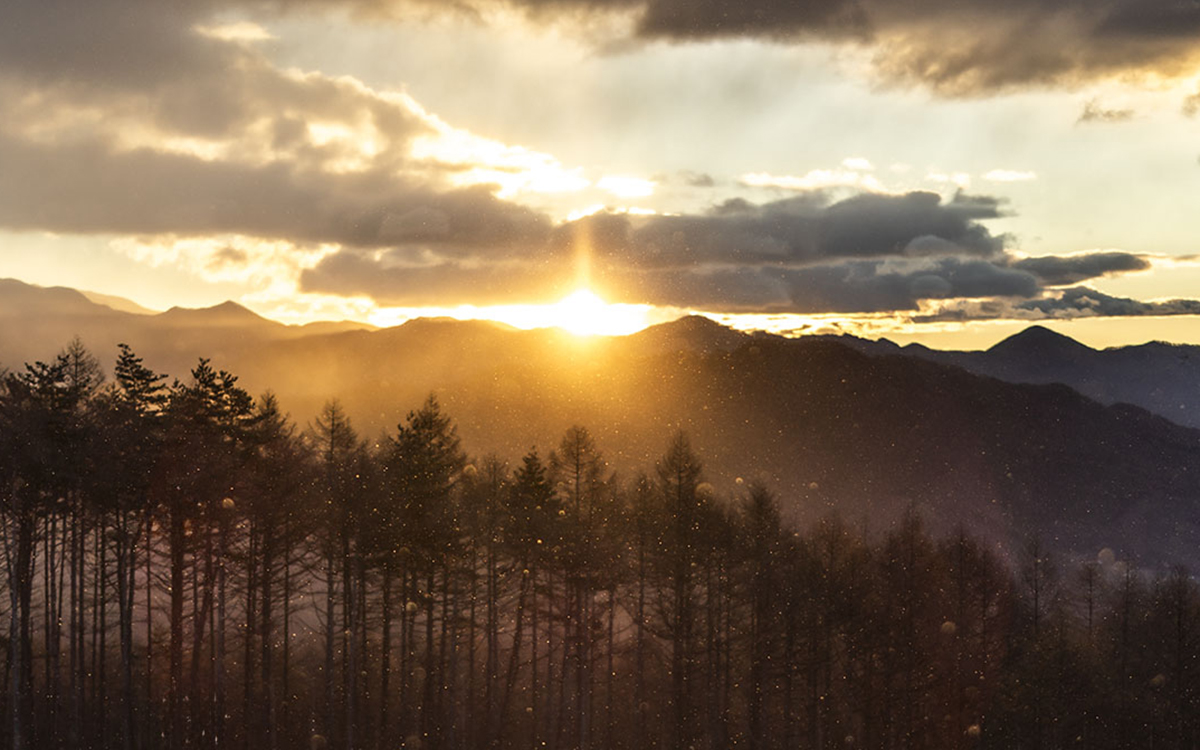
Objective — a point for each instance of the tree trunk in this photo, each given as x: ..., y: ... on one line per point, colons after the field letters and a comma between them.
x: 514, y: 662
x: 349, y: 641
x: 429, y: 728
x: 219, y: 667
x: 287, y: 625
x: 267, y: 646
x: 176, y: 542
x: 385, y: 657
x: 330, y: 624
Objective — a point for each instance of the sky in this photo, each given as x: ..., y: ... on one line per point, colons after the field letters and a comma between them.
x: 925, y: 170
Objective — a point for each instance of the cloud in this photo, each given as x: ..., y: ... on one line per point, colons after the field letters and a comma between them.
x: 88, y: 187
x: 801, y: 229
x: 1094, y: 112
x: 1076, y: 302
x: 117, y: 45
x: 884, y: 286
x: 1061, y: 270
x: 695, y: 179
x: 868, y: 253
x: 954, y: 48
x: 123, y: 117
x: 1082, y: 301
x: 684, y: 19
x: 841, y: 286
x: 914, y: 253
x: 1191, y: 105
x: 239, y: 31
x: 393, y: 279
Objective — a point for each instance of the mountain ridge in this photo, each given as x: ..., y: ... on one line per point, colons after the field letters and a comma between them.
x: 1160, y: 377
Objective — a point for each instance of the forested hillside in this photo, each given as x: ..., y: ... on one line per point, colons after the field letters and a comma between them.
x: 187, y: 567
x: 870, y: 435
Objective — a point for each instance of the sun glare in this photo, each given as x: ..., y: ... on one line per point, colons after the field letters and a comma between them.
x: 582, y: 313
x: 585, y: 314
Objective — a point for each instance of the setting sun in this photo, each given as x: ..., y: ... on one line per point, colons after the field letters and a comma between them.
x: 582, y: 313
x: 585, y: 314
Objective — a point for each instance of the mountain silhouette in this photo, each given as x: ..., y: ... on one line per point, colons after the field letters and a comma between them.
x: 1039, y: 341
x: 1162, y: 378
x: 692, y: 333
x: 228, y: 314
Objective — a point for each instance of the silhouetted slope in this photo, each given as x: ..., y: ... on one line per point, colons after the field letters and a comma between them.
x: 830, y: 427
x: 1035, y: 458
x: 1039, y: 341
x: 21, y: 300
x: 35, y: 322
x: 117, y: 303
x: 694, y: 333
x: 1163, y: 378
x: 228, y: 314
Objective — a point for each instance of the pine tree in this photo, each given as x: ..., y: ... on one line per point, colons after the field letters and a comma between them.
x: 679, y: 475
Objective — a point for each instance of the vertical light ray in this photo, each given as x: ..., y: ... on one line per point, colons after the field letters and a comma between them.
x: 583, y: 255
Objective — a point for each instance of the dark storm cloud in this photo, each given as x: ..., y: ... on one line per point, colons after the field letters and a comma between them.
x: 707, y: 19
x: 118, y: 44
x: 961, y: 48
x: 724, y: 289
x: 844, y: 286
x: 876, y: 287
x: 870, y: 253
x: 801, y: 229
x: 847, y: 286
x: 1053, y: 270
x: 954, y: 47
x: 88, y: 187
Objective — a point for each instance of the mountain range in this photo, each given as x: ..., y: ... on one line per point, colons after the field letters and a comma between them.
x: 1037, y: 436
x: 1160, y: 377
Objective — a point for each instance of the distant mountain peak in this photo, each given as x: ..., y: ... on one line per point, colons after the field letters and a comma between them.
x: 693, y: 322
x: 694, y: 325
x: 1038, y: 340
x: 228, y: 306
x: 693, y: 332
x: 227, y: 313
x: 445, y: 322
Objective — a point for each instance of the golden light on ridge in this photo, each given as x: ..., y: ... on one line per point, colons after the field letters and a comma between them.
x: 582, y: 313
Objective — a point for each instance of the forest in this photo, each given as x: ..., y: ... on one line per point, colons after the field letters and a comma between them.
x: 220, y: 576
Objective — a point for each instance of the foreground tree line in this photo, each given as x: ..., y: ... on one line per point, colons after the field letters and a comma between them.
x: 185, y: 567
